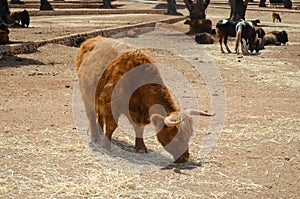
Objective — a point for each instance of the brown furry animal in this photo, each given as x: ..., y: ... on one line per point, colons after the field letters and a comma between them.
x: 199, y: 25
x: 276, y: 38
x: 276, y: 17
x: 204, y: 38
x: 4, y: 38
x: 116, y: 78
x: 20, y: 16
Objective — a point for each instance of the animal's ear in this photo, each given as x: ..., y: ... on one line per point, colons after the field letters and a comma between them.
x: 158, y: 121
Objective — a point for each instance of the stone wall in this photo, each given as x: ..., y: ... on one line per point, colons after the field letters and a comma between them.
x: 74, y: 39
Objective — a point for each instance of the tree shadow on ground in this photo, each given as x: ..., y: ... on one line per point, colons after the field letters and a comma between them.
x: 15, y: 61
x: 165, y: 6
x: 274, y: 26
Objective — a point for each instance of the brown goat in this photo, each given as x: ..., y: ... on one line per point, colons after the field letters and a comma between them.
x: 276, y: 17
x: 110, y: 77
x: 199, y: 25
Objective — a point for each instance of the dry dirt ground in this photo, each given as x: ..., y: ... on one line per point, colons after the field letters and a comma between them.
x: 257, y: 155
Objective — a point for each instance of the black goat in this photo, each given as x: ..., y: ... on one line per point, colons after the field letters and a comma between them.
x: 225, y: 28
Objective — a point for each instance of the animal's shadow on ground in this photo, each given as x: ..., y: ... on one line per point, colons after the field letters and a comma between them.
x: 15, y: 61
x: 250, y: 54
x: 181, y: 167
x: 152, y: 158
x: 122, y: 150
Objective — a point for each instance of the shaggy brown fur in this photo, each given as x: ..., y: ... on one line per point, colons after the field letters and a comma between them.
x: 275, y: 38
x: 276, y: 17
x: 200, y: 25
x: 204, y: 38
x: 121, y: 79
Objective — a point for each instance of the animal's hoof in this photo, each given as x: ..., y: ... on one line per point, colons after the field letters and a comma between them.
x: 106, y: 144
x: 181, y: 160
x: 142, y: 150
x: 95, y: 140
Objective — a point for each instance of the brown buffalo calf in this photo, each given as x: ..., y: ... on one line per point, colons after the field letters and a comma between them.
x: 116, y: 78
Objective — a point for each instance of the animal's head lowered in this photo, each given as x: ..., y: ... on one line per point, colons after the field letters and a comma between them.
x: 256, y: 44
x: 174, y: 132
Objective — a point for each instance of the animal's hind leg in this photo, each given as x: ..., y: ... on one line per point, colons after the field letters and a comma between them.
x: 220, y: 41
x: 93, y: 128
x: 101, y: 124
x: 139, y: 140
x: 227, y: 48
x: 110, y: 126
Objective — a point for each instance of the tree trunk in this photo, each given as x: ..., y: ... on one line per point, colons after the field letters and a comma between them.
x: 17, y: 2
x: 238, y: 9
x: 4, y: 10
x: 262, y: 3
x: 197, y: 9
x: 45, y: 5
x: 171, y: 8
x: 287, y: 4
x: 106, y: 4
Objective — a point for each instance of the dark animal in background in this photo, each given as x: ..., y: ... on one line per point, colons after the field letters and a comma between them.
x: 204, y: 38
x: 260, y: 32
x: 275, y: 38
x: 199, y: 26
x: 246, y: 36
x: 276, y: 17
x: 255, y: 22
x: 224, y: 29
x: 4, y: 38
x: 20, y: 16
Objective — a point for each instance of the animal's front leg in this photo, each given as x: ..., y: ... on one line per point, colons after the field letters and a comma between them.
x: 139, y: 140
x: 245, y: 47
